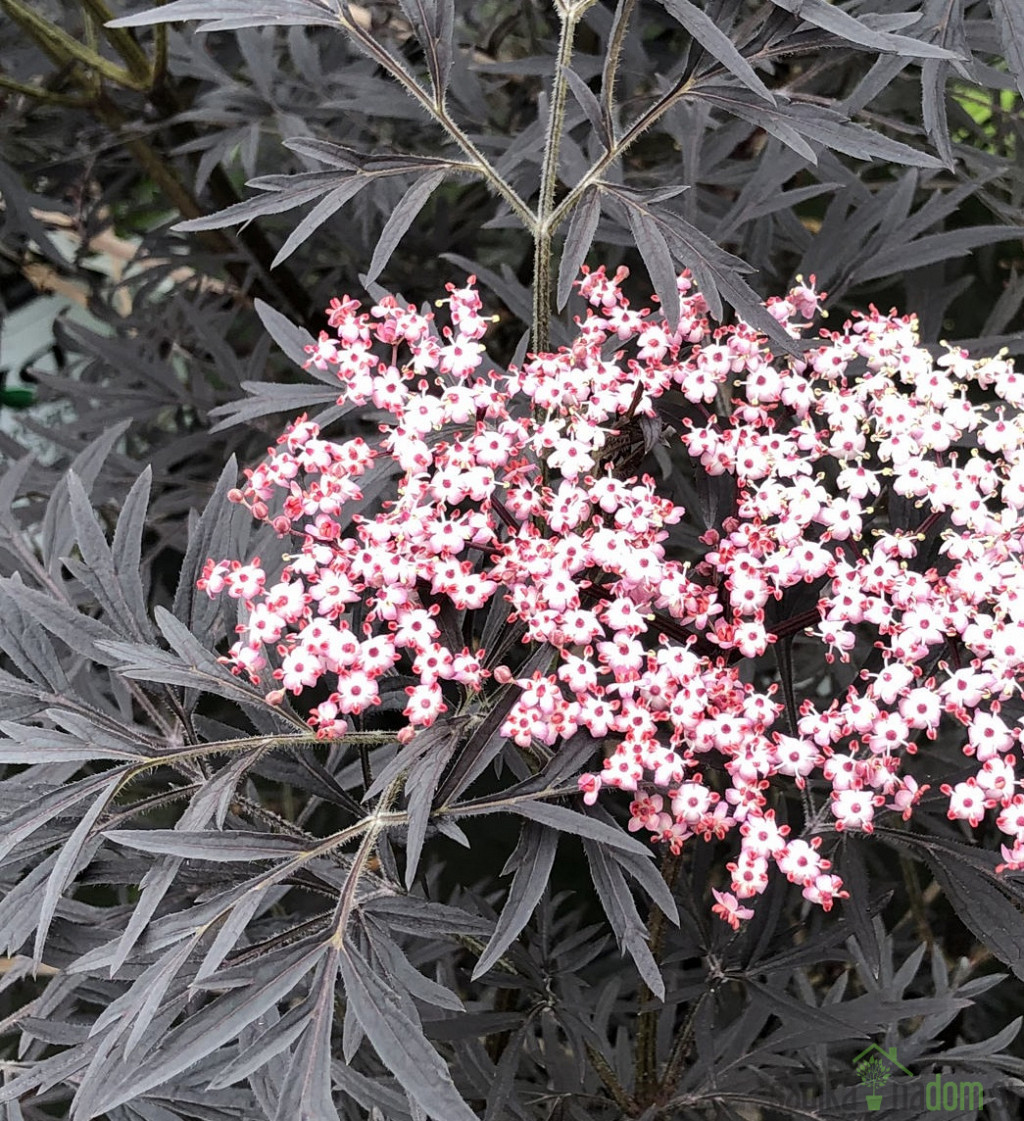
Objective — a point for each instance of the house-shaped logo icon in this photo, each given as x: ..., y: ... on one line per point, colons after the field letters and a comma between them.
x: 876, y: 1065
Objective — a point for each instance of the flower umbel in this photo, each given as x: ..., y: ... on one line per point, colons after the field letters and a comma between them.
x: 861, y: 474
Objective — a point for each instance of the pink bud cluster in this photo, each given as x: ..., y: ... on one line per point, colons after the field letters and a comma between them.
x: 505, y: 485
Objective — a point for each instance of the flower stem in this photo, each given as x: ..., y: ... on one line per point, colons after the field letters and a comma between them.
x: 569, y: 15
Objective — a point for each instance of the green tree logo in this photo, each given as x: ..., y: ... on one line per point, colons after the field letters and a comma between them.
x: 875, y: 1066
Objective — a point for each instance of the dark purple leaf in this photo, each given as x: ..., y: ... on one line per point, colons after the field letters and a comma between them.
x: 718, y: 45
x: 399, y: 221
x: 399, y: 1041
x: 533, y: 861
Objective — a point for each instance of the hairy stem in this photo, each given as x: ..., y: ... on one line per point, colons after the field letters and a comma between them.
x: 618, y: 150
x: 549, y: 180
x: 434, y: 107
x: 680, y: 1050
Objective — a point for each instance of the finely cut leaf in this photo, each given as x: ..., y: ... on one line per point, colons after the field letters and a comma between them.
x: 718, y: 45
x: 578, y: 240
x: 229, y: 15
x: 623, y: 916
x: 126, y: 550
x: 1009, y: 18
x: 536, y: 856
x: 281, y: 1034
x: 212, y: 1027
x: 424, y: 775
x: 588, y: 103
x: 306, y: 1090
x: 292, y: 340
x: 401, y: 218
x: 932, y: 249
x: 654, y: 249
x: 400, y: 1043
x: 73, y: 855
x: 27, y: 744
x: 568, y: 821
x: 829, y: 17
x: 324, y: 209
x: 275, y: 203
x: 235, y: 844
x: 434, y: 21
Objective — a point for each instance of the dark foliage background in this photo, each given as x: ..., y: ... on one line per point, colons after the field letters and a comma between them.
x: 180, y: 971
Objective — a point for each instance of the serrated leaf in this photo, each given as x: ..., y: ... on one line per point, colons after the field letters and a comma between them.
x: 717, y: 44
x: 99, y: 560
x: 932, y: 249
x: 536, y: 857
x: 28, y: 647
x: 623, y: 917
x: 400, y: 1043
x: 230, y: 15
x: 933, y: 107
x: 277, y: 202
x: 57, y: 530
x: 399, y: 221
x: 137, y: 1007
x: 188, y: 663
x: 400, y: 970
x: 1009, y: 18
x: 27, y: 744
x: 578, y: 240
x: 324, y: 209
x: 568, y: 821
x: 984, y: 906
x: 835, y: 131
x: 280, y: 1035
x: 72, y: 857
x: 434, y: 21
x: 739, y: 103
x: 306, y: 1090
x: 424, y: 775
x: 210, y: 1028
x: 24, y: 822
x: 231, y: 845
x: 291, y: 339
x: 833, y: 19
x: 588, y: 103
x: 80, y: 632
x: 266, y: 398
x: 410, y: 915
x: 653, y: 247
x: 213, y: 535
x: 126, y: 549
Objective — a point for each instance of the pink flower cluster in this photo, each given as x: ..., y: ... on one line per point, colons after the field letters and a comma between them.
x: 507, y: 485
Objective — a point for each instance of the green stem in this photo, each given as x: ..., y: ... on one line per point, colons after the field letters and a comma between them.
x: 62, y: 47
x: 38, y: 93
x: 122, y: 40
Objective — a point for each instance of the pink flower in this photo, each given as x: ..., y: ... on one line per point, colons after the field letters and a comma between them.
x: 727, y: 907
x: 505, y: 488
